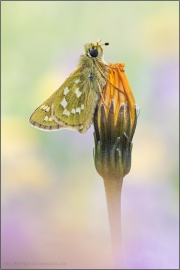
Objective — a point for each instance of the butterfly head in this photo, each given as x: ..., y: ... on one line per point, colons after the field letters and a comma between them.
x: 94, y: 50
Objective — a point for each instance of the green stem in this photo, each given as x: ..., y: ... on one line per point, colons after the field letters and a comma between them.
x: 113, y: 189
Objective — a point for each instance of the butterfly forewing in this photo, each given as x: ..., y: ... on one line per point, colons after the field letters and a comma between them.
x: 41, y: 118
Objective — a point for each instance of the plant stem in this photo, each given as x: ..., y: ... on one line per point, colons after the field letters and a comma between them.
x: 113, y: 189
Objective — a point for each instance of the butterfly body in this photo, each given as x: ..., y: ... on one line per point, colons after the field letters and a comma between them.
x: 72, y: 106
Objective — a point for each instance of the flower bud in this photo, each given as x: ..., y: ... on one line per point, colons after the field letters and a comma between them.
x: 114, y: 123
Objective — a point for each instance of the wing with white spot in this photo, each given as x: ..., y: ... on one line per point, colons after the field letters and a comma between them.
x: 41, y: 117
x: 72, y: 106
x: 75, y: 108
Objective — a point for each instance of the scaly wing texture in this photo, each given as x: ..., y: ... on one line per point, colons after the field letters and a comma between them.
x: 72, y: 106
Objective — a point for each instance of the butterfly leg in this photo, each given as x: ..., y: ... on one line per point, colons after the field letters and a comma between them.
x: 103, y: 98
x: 108, y: 80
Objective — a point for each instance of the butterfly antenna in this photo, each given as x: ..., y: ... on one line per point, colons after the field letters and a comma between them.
x: 106, y: 44
x: 99, y: 40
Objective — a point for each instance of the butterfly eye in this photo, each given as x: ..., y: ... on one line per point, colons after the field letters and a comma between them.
x: 93, y: 52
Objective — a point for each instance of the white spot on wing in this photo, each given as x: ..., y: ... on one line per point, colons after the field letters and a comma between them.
x: 47, y: 109
x: 46, y: 118
x: 64, y: 103
x: 78, y: 93
x: 42, y: 106
x: 66, y: 90
x: 66, y: 112
x: 77, y: 80
x: 73, y: 111
x: 82, y: 107
x: 78, y: 110
x: 50, y: 119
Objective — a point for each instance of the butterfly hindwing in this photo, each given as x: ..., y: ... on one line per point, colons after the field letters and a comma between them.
x: 74, y: 105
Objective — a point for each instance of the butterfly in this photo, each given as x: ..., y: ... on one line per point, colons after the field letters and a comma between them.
x: 73, y: 105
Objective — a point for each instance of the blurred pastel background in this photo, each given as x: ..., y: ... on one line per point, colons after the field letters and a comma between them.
x: 53, y: 201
